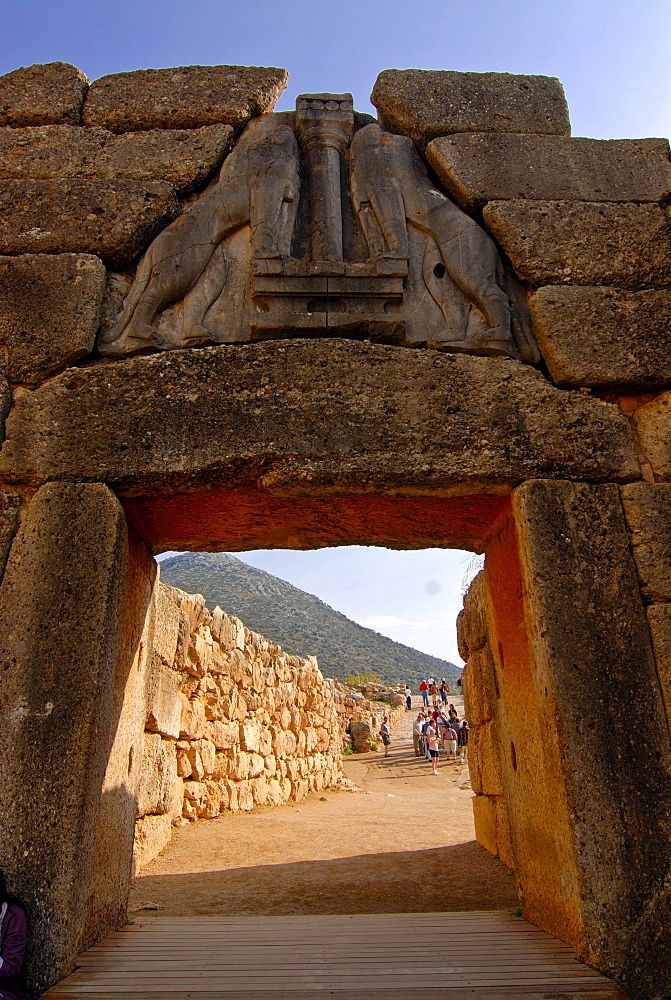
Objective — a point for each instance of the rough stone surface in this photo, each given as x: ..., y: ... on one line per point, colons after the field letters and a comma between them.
x: 479, y: 687
x: 60, y: 636
x: 472, y: 628
x: 584, y: 243
x: 183, y: 97
x: 164, y: 708
x: 310, y: 414
x: 114, y: 219
x: 184, y: 157
x: 596, y: 676
x: 653, y: 426
x: 113, y: 850
x: 659, y: 618
x: 152, y: 835
x: 362, y: 735
x: 10, y: 504
x: 647, y: 508
x: 43, y: 94
x: 49, y: 312
x: 486, y: 167
x: 157, y: 775
x: 604, y: 336
x: 427, y: 103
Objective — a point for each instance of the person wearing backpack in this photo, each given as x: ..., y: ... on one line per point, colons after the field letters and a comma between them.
x: 385, y: 733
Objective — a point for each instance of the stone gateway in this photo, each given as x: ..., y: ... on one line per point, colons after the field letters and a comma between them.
x: 227, y: 328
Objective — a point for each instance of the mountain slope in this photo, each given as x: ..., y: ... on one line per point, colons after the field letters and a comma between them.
x: 299, y: 622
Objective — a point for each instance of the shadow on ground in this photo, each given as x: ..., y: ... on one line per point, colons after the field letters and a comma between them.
x: 458, y: 877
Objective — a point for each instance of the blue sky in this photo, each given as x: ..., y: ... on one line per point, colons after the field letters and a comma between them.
x: 613, y: 57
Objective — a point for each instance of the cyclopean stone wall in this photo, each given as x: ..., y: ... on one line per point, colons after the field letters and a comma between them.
x: 541, y: 439
x: 232, y: 722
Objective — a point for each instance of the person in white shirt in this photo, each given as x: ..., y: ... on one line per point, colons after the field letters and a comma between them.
x: 417, y: 733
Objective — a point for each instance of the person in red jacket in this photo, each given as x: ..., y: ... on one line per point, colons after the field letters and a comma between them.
x: 424, y: 691
x: 13, y: 932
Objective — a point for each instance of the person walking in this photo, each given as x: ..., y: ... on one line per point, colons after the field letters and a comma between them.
x: 451, y: 742
x: 434, y: 694
x: 408, y: 698
x: 417, y: 733
x: 444, y: 691
x: 432, y: 742
x: 424, y: 691
x: 462, y: 739
x: 385, y: 733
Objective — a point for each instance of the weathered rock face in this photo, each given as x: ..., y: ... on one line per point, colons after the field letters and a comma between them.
x: 60, y: 637
x: 114, y: 219
x: 584, y: 243
x: 595, y: 675
x: 49, y: 312
x: 653, y: 427
x: 428, y: 103
x: 10, y: 504
x: 184, y: 97
x: 647, y: 508
x: 185, y: 158
x: 573, y: 324
x: 486, y: 167
x: 445, y: 424
x: 48, y: 94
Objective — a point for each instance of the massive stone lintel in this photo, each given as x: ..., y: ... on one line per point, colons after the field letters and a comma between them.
x: 311, y: 417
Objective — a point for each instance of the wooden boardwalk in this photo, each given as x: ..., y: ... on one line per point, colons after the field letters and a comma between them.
x: 435, y: 956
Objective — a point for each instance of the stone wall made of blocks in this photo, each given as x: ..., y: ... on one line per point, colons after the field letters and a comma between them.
x: 233, y: 722
x: 492, y: 828
x: 92, y: 172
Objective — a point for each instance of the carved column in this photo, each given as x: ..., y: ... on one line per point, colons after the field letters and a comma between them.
x: 325, y: 124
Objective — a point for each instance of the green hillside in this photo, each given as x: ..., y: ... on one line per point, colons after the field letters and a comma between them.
x: 299, y: 622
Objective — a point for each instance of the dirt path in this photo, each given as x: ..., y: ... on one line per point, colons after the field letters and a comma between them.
x: 404, y: 843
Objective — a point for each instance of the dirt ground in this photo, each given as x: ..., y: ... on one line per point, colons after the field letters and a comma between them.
x: 403, y: 843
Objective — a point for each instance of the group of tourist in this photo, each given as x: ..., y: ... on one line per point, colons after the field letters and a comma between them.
x: 431, y: 688
x: 436, y: 730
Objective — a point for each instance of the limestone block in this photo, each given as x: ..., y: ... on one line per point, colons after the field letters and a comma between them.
x: 222, y: 766
x: 49, y: 312
x: 250, y: 734
x: 653, y: 426
x: 275, y: 793
x: 362, y: 736
x: 483, y: 167
x: 239, y: 766
x: 197, y: 793
x: 659, y: 618
x: 484, y: 816
x: 207, y: 755
x: 183, y: 97
x: 60, y: 634
x: 584, y: 243
x: 427, y: 103
x: 472, y: 624
x: 232, y: 789
x: 185, y: 761
x: 164, y: 706
x: 647, y: 509
x: 479, y: 687
x: 443, y: 422
x: 596, y: 336
x: 188, y: 809
x: 217, y: 798
x: 193, y: 606
x: 157, y: 775
x: 167, y: 624
x: 152, y: 835
x: 224, y: 735
x: 114, y: 219
x: 186, y: 158
x: 259, y: 787
x: 43, y: 94
x: 245, y: 797
x: 10, y: 504
x: 193, y: 720
x: 299, y: 789
x: 177, y: 803
x: 596, y: 689
x: 483, y: 760
x: 256, y: 765
x: 503, y: 836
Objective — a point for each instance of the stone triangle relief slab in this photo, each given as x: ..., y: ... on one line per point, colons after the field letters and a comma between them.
x: 321, y: 224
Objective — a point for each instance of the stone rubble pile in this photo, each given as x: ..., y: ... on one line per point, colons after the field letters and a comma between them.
x: 360, y: 710
x: 232, y: 722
